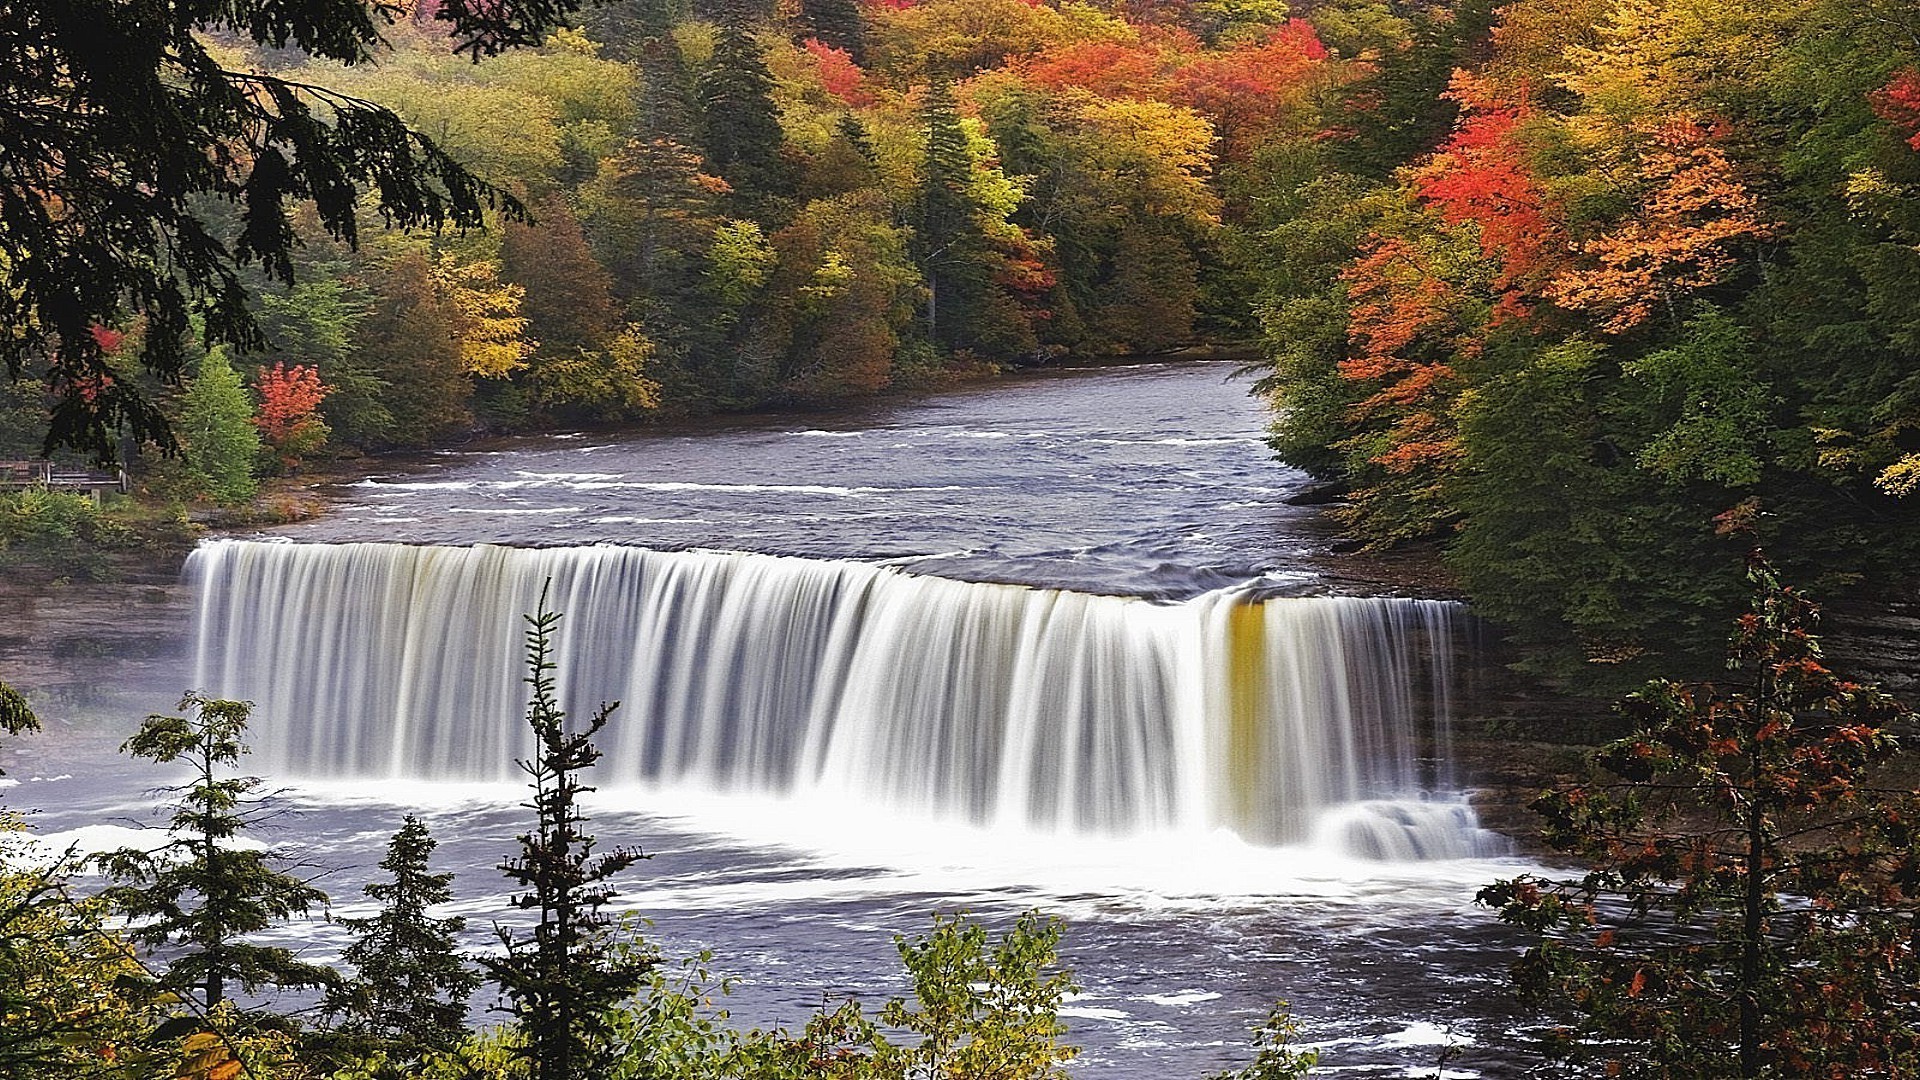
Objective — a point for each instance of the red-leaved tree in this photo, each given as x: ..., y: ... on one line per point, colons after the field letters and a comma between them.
x: 289, y: 416
x: 1754, y: 889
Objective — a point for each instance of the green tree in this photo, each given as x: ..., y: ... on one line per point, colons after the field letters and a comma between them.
x: 740, y: 125
x: 1755, y: 883
x: 948, y: 242
x: 317, y: 323
x: 115, y: 128
x: 982, y: 1009
x: 411, y: 342
x: 216, y: 422
x: 16, y: 715
x: 203, y: 891
x: 837, y: 23
x: 408, y: 996
x: 564, y: 977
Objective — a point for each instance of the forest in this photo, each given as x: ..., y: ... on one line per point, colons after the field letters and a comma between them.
x: 1558, y: 286
x: 1594, y: 300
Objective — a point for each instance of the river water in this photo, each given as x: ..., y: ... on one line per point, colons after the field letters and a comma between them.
x: 1192, y: 899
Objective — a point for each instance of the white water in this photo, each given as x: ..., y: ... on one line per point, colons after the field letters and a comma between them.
x: 1285, y: 721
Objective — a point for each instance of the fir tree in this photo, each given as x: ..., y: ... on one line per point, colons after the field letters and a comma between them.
x: 411, y: 986
x: 949, y: 243
x: 201, y: 891
x: 563, y: 979
x: 216, y: 422
x: 741, y: 125
x: 837, y: 23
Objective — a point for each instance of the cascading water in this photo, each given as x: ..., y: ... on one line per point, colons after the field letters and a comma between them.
x: 1284, y: 720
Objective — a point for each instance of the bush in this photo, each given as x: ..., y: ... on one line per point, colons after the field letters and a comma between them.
x: 63, y: 533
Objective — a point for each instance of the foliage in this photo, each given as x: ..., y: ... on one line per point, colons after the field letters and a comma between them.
x: 487, y: 319
x: 99, y: 221
x: 563, y: 978
x: 1673, y: 229
x: 73, y: 999
x: 410, y: 340
x: 408, y: 995
x: 217, y: 424
x: 1754, y: 885
x: 289, y: 419
x: 16, y: 714
x: 982, y: 1010
x: 61, y: 532
x: 206, y: 888
x: 1274, y: 1058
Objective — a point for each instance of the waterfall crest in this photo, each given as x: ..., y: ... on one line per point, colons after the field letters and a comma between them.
x: 1284, y: 720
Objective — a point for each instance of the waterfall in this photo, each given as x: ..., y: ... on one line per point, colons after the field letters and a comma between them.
x: 1284, y: 720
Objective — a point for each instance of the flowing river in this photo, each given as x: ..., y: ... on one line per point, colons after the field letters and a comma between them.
x: 1057, y: 642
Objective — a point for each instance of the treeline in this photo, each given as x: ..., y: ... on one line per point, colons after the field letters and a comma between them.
x: 736, y: 204
x: 168, y: 970
x: 1645, y: 275
x: 733, y: 206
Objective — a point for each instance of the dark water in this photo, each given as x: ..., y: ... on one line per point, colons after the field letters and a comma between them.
x: 1149, y: 479
x: 1146, y: 479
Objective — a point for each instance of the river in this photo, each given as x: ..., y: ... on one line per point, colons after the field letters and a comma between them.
x: 1054, y: 642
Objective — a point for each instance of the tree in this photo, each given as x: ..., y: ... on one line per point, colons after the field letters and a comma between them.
x: 77, y: 1004
x: 982, y: 1010
x: 216, y: 420
x: 1751, y: 906
x: 564, y: 978
x: 202, y: 891
x: 605, y: 384
x: 949, y: 244
x: 115, y: 129
x: 317, y: 323
x: 411, y: 341
x: 838, y: 24
x: 566, y: 295
x: 740, y: 126
x: 1273, y: 1055
x: 410, y: 987
x: 289, y: 417
x: 16, y: 716
x: 487, y: 319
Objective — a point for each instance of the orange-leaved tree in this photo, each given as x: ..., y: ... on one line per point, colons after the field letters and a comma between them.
x: 289, y: 414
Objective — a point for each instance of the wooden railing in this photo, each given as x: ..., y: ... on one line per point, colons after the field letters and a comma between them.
x: 44, y: 474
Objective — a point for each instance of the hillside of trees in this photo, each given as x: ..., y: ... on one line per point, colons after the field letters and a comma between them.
x: 1651, y: 282
x: 1564, y: 287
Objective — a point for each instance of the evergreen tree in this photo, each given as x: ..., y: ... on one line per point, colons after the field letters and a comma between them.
x: 740, y: 125
x: 837, y: 23
x: 949, y: 244
x: 201, y: 891
x: 216, y: 422
x: 564, y: 979
x: 410, y: 989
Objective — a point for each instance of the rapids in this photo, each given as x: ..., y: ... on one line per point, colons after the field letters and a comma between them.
x: 1055, y: 642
